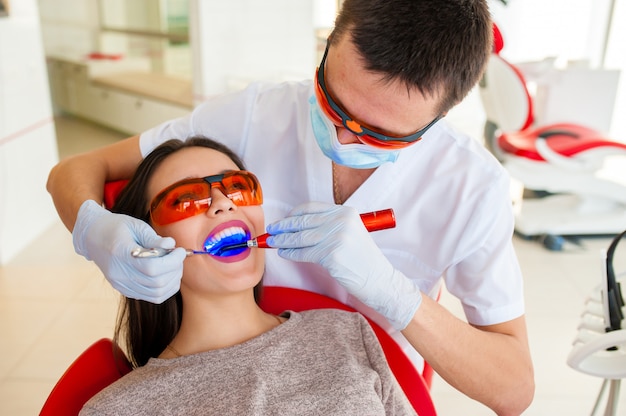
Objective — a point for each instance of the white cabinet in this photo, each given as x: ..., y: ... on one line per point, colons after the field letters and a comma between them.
x: 145, y: 113
x: 127, y: 112
x: 65, y: 79
x: 75, y: 93
x: 104, y: 106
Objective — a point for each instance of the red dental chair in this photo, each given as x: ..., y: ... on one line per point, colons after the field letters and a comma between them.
x: 563, y: 161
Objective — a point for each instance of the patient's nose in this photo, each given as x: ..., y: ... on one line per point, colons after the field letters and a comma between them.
x: 220, y: 202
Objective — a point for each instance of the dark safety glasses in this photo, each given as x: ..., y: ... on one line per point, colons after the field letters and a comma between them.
x: 191, y: 197
x: 364, y: 133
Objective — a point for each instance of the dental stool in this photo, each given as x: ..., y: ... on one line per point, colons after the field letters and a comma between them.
x: 599, y: 348
x: 563, y: 161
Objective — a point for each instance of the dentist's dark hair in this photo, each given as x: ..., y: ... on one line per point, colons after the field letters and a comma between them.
x: 434, y: 46
x: 147, y: 328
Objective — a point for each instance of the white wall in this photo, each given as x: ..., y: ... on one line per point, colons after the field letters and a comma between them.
x: 568, y: 30
x: 238, y: 41
x: 616, y: 58
x: 233, y: 42
x: 69, y: 27
x: 27, y: 140
x: 534, y: 29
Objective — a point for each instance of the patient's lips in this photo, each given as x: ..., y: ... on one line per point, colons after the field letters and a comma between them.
x: 224, y: 235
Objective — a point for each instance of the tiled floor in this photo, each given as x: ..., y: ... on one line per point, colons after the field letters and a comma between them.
x: 53, y: 304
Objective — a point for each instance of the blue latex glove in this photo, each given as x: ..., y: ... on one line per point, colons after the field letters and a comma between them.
x: 334, y: 237
x: 108, y: 239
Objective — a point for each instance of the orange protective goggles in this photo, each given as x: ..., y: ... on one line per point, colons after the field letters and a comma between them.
x: 191, y: 197
x: 365, y: 134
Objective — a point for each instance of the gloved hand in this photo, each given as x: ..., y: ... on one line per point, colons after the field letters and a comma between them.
x: 334, y: 237
x: 108, y: 239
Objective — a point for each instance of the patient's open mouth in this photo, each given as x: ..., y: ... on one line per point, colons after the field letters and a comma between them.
x: 218, y: 244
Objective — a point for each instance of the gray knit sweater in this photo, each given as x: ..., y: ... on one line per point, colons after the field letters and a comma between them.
x: 321, y: 362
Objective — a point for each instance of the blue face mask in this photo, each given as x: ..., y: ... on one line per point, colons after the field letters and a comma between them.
x: 358, y: 156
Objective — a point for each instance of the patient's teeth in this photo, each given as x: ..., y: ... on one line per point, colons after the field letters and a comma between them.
x: 227, y: 233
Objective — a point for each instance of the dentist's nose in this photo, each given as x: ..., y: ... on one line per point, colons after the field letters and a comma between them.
x: 345, y: 136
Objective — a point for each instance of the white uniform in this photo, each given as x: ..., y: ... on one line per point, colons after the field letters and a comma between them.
x: 450, y: 197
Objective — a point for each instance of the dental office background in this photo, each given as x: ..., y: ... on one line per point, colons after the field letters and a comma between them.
x: 131, y: 64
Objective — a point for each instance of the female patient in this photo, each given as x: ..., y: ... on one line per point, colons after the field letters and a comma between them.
x: 210, y: 349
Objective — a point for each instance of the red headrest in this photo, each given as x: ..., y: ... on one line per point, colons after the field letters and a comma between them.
x: 112, y: 191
